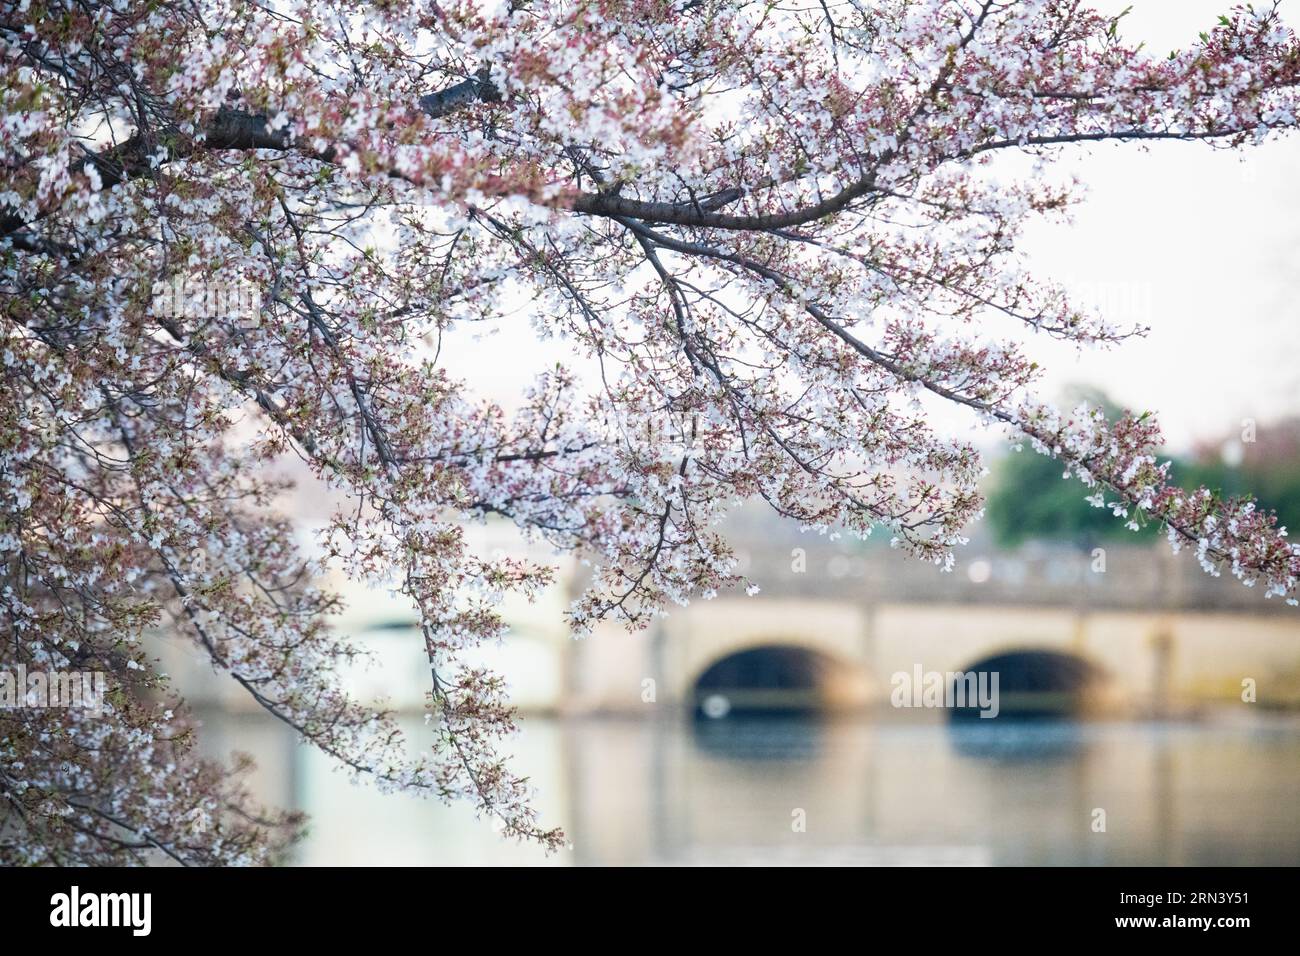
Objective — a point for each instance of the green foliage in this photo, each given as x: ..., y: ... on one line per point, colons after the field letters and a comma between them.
x: 1275, y: 484
x: 1029, y: 499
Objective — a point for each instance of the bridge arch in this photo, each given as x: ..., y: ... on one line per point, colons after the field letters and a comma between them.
x: 777, y: 678
x: 793, y: 656
x: 1034, y: 681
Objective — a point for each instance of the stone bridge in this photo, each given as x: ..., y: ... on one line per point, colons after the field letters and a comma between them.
x: 1134, y: 630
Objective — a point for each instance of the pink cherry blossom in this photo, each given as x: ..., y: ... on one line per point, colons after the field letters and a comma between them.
x: 777, y: 231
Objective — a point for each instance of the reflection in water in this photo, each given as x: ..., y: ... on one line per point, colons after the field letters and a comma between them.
x: 680, y: 791
x: 759, y: 738
x: 1018, y: 740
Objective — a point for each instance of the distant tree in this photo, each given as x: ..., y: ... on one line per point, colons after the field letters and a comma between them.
x: 1267, y: 467
x: 1031, y: 497
x: 1029, y: 500
x: 773, y: 227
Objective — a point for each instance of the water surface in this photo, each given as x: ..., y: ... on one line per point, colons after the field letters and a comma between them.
x: 807, y: 791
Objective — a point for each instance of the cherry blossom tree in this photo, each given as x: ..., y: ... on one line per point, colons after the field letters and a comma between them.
x: 779, y: 232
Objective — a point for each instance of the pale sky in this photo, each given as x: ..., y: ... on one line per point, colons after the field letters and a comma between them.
x: 1201, y: 245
